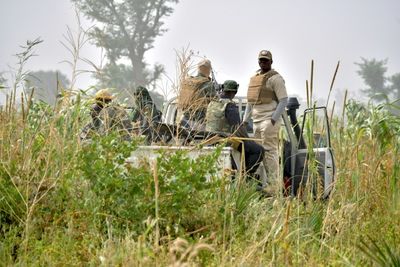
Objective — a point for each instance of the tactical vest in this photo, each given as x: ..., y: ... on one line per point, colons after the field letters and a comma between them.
x: 191, y: 95
x: 258, y: 92
x: 215, y: 116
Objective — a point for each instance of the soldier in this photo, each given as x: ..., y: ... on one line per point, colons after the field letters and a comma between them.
x: 267, y: 99
x: 146, y: 112
x: 102, y: 99
x: 107, y: 117
x: 195, y: 94
x: 223, y: 116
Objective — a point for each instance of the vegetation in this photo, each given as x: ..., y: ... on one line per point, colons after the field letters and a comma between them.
x: 66, y: 202
x: 379, y: 86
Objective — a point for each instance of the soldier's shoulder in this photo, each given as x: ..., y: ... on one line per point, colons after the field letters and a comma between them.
x: 277, y: 76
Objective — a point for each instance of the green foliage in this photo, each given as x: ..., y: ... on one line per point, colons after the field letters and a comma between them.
x: 63, y: 201
x: 381, y: 253
x: 375, y: 121
x: 184, y: 187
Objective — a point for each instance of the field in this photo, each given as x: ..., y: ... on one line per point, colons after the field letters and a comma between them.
x: 68, y: 203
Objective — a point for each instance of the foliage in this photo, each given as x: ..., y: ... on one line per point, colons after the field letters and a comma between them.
x: 64, y: 201
x: 3, y: 81
x: 127, y: 30
x: 382, y: 254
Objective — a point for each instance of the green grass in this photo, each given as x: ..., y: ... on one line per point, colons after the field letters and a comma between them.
x: 65, y: 202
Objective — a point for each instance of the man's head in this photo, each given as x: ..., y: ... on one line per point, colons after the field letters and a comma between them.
x: 265, y: 60
x: 204, y: 67
x: 104, y: 96
x: 230, y: 88
x: 141, y: 92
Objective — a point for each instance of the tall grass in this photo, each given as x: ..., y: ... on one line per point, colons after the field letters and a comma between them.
x: 68, y: 203
x: 64, y: 202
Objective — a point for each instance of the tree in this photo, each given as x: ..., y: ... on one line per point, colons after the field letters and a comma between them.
x: 47, y: 85
x: 395, y: 85
x: 126, y: 31
x: 373, y: 73
x: 3, y: 81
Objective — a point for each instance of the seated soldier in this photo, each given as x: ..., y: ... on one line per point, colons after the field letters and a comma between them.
x: 108, y: 117
x: 102, y: 99
x: 223, y: 116
x: 145, y: 113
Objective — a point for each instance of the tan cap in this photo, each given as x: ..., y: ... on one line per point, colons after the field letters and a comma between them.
x: 205, y: 63
x: 265, y: 54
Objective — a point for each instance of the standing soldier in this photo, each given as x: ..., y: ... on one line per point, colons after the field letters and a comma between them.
x: 195, y: 94
x: 266, y: 101
x: 223, y: 116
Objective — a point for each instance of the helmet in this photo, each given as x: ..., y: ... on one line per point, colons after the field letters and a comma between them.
x: 103, y: 94
x: 230, y: 86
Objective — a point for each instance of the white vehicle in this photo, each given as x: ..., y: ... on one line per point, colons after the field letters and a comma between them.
x: 296, y: 157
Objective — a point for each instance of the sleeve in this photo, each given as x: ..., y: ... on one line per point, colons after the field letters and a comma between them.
x: 247, y: 112
x: 279, y: 87
x: 280, y: 108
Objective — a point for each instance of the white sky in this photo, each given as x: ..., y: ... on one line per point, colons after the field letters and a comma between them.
x: 231, y: 33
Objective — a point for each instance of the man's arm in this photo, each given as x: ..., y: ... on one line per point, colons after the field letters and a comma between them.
x: 280, y: 91
x: 247, y: 113
x: 279, y: 110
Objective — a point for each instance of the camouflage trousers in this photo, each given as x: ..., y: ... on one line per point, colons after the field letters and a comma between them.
x: 268, y: 134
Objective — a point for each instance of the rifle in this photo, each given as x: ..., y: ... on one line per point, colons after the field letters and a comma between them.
x: 217, y: 86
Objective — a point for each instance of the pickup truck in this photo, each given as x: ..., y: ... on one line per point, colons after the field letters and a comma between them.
x: 306, y: 160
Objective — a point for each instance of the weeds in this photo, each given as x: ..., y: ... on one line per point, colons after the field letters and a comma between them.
x: 66, y: 202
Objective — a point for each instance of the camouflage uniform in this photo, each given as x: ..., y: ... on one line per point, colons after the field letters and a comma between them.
x: 223, y: 116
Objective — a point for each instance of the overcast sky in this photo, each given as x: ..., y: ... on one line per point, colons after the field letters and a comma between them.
x: 231, y: 33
